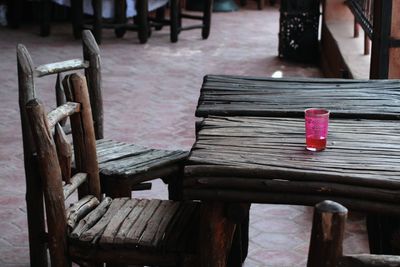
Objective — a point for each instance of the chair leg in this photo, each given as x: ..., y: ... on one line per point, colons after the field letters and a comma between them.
x: 77, y: 18
x: 208, y: 6
x: 97, y: 24
x: 174, y: 20
x: 120, y: 17
x: 45, y: 18
x: 260, y: 4
x: 36, y: 221
x: 142, y: 20
x: 175, y: 186
x: 160, y: 17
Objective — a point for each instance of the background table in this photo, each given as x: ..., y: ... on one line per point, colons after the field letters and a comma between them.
x: 254, y: 96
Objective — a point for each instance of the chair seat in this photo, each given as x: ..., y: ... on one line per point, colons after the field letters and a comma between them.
x: 147, y: 225
x: 124, y: 160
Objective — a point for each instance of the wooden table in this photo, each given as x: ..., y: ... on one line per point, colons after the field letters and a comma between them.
x: 263, y: 160
x: 251, y: 96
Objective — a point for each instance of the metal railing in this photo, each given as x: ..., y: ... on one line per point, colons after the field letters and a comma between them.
x: 363, y: 11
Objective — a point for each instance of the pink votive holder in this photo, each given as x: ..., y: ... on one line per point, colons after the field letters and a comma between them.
x: 316, y: 120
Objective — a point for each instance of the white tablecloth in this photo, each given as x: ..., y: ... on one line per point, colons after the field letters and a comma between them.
x: 108, y: 6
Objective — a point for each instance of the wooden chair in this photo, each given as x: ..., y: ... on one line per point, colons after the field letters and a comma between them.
x: 119, y: 23
x: 327, y: 238
x: 123, y: 167
x: 176, y: 16
x: 93, y: 229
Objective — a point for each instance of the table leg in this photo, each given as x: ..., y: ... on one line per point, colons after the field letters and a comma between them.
x: 215, y: 236
x: 383, y: 234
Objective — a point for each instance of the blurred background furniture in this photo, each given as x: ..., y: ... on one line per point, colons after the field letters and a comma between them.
x: 177, y: 14
x: 120, y: 15
x: 114, y: 15
x: 123, y: 167
x: 298, y: 31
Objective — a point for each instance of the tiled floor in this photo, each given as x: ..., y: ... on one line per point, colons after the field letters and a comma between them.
x: 150, y: 93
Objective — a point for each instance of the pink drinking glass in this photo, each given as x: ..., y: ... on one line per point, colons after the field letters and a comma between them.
x: 316, y: 120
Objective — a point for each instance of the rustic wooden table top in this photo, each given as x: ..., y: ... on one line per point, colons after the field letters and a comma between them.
x: 251, y: 96
x: 261, y: 159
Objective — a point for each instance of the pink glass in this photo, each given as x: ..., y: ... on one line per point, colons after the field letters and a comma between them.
x: 316, y: 120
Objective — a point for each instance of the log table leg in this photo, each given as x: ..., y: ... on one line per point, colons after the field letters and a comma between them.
x: 215, y: 236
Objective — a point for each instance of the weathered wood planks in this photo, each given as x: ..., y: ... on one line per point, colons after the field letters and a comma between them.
x: 252, y: 96
x: 264, y: 160
x: 138, y: 223
x: 123, y: 160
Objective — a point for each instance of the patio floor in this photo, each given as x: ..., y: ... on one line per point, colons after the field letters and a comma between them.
x: 150, y: 93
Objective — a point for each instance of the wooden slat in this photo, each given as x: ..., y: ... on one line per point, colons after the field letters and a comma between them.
x: 80, y: 209
x: 130, y: 220
x: 358, y: 204
x: 176, y: 231
x: 369, y: 260
x: 124, y: 160
x: 91, y: 219
x: 93, y: 234
x: 286, y: 186
x: 62, y: 112
x: 75, y: 182
x: 156, y: 226
x: 116, y: 222
x: 53, y: 68
x: 141, y: 163
x: 252, y: 96
x: 140, y: 224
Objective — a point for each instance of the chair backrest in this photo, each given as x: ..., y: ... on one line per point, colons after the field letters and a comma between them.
x: 54, y: 162
x: 326, y: 246
x: 27, y: 73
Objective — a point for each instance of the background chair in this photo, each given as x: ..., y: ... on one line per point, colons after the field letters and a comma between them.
x: 175, y: 19
x: 119, y: 23
x: 123, y: 167
x: 95, y: 230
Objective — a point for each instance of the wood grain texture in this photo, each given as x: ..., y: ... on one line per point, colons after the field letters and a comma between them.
x: 57, y: 67
x: 148, y: 225
x: 253, y: 96
x: 124, y: 160
x: 267, y: 156
x: 74, y: 183
x: 64, y: 152
x: 62, y: 112
x: 327, y: 234
x: 52, y: 183
x: 83, y: 134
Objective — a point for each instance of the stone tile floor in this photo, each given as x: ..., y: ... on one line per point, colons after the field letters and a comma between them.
x: 150, y: 94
